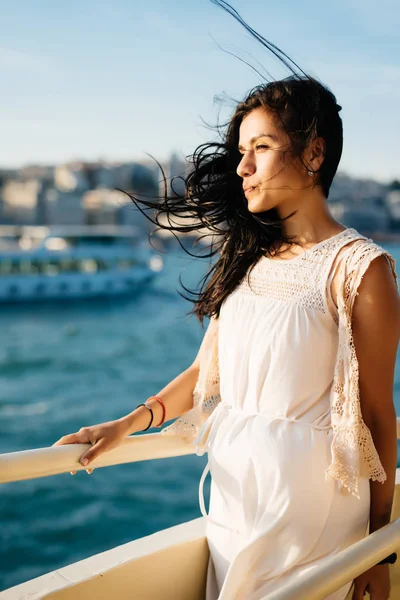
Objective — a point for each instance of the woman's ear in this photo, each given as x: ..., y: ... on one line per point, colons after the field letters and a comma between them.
x: 315, y: 154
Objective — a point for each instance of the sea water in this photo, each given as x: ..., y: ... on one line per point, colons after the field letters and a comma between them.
x: 67, y: 365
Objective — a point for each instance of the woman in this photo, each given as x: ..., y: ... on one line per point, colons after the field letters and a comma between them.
x: 291, y: 393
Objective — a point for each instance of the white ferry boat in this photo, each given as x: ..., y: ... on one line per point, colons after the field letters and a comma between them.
x: 38, y: 263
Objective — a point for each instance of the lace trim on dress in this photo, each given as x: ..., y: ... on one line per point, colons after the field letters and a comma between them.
x: 353, y: 451
x: 300, y: 280
x: 206, y: 394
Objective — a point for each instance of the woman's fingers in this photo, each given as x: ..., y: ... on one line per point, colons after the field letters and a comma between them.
x: 89, y: 471
x: 81, y: 437
x: 93, y: 452
x: 87, y: 435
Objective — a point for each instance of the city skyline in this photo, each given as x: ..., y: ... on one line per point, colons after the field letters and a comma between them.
x: 94, y: 82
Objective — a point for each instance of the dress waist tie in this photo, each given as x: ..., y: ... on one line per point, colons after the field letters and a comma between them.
x: 211, y: 426
x: 203, y: 441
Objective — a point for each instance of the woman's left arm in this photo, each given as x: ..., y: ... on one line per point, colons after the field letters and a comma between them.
x: 376, y: 332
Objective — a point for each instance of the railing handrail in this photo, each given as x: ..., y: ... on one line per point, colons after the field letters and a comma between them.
x: 335, y: 571
x: 44, y: 462
x: 332, y: 572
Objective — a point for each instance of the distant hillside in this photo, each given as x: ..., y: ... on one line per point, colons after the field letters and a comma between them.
x: 351, y: 188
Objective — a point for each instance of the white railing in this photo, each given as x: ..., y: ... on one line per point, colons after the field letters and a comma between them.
x: 335, y: 571
x: 330, y: 575
x: 43, y: 462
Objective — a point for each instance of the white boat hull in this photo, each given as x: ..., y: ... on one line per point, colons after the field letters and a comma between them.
x: 71, y: 286
x: 37, y: 264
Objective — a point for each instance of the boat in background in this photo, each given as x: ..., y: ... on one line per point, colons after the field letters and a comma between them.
x: 39, y: 263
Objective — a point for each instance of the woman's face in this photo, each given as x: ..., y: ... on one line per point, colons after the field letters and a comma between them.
x: 271, y: 176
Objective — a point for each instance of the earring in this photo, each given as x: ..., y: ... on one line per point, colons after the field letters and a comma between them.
x: 311, y: 173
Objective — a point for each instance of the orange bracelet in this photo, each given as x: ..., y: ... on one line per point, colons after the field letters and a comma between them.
x: 163, y: 407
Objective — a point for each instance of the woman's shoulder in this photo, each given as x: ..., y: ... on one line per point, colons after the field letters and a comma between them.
x: 362, y: 251
x: 357, y: 248
x: 359, y: 255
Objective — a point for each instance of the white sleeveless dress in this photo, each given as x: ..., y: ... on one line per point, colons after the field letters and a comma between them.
x: 277, y: 408
x: 272, y: 513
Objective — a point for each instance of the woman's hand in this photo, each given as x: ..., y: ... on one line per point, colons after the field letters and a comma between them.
x: 375, y: 581
x: 103, y: 437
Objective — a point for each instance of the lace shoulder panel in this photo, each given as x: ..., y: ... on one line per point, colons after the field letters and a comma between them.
x: 358, y: 262
x: 353, y: 450
x: 353, y: 251
x: 206, y: 394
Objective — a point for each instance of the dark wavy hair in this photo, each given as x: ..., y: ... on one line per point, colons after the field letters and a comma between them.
x: 213, y: 203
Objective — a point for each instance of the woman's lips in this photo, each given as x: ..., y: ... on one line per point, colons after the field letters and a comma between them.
x: 249, y: 190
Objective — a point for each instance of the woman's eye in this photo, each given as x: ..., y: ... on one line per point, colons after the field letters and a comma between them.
x: 241, y: 152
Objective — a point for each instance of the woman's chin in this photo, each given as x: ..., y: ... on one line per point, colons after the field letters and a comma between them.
x: 256, y: 205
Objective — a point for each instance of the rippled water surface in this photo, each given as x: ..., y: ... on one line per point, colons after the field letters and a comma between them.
x: 63, y: 366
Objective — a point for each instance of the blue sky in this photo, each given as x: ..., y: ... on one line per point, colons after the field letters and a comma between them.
x: 92, y: 80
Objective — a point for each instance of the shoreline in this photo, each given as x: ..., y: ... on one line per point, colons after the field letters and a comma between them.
x: 383, y: 236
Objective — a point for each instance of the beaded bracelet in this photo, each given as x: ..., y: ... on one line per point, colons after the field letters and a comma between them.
x: 163, y: 408
x: 152, y: 416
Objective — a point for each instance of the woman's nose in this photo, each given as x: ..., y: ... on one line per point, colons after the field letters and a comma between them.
x: 246, y: 166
